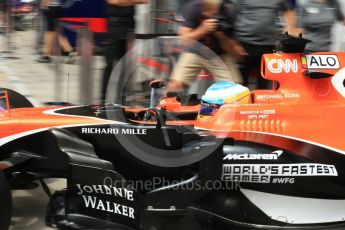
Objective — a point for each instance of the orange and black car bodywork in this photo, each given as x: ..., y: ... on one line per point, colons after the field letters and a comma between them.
x: 301, y: 120
x: 85, y: 144
x: 280, y: 161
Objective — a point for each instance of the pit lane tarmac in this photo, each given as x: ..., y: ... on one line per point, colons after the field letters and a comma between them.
x: 29, y: 206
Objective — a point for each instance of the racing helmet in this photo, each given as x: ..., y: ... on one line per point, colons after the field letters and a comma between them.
x: 222, y: 93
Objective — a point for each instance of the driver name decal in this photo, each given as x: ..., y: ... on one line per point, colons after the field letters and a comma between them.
x: 320, y: 62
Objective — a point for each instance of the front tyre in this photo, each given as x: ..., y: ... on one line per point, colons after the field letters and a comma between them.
x: 5, y: 202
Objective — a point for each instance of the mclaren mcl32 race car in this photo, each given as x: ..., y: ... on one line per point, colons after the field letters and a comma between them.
x: 261, y: 159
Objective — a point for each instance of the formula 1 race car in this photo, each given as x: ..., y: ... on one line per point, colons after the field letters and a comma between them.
x: 261, y: 159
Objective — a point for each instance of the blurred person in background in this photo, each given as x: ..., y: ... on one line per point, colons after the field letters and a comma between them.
x: 207, y: 34
x: 315, y: 19
x: 41, y: 29
x: 3, y: 12
x: 52, y: 12
x: 256, y: 27
x: 180, y: 4
x: 120, y: 27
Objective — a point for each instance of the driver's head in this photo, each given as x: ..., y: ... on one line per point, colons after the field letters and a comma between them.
x: 210, y: 8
